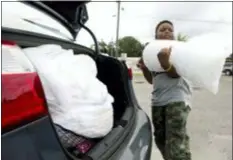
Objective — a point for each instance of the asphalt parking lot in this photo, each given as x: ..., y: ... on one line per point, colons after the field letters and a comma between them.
x: 209, y: 123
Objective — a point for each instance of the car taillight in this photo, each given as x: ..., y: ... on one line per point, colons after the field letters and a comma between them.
x: 10, y: 43
x: 130, y: 73
x: 22, y: 99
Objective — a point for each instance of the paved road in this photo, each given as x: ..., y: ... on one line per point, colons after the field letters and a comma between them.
x: 209, y: 123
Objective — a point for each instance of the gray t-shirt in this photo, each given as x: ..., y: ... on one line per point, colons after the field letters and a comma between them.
x: 167, y: 90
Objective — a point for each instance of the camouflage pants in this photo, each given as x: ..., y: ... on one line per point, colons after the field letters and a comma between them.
x: 170, y: 130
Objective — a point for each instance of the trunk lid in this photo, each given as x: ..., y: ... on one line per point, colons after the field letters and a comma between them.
x: 70, y: 14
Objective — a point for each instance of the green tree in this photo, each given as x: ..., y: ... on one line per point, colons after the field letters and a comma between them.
x: 102, y: 46
x: 131, y: 46
x: 181, y: 37
x: 111, y: 48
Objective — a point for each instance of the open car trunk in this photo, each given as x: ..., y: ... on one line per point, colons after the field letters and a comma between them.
x: 112, y: 72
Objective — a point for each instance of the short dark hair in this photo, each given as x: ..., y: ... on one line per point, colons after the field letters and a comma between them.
x: 162, y: 22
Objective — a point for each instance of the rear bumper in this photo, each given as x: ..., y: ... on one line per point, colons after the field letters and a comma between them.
x: 138, y: 145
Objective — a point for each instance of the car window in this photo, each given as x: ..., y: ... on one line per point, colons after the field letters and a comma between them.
x: 15, y: 13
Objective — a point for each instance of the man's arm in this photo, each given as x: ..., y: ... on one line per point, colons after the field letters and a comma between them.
x: 163, y: 57
x: 146, y: 73
x: 171, y: 71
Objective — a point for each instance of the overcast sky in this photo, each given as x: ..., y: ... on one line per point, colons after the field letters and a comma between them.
x: 139, y: 19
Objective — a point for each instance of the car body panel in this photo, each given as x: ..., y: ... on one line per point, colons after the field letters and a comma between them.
x: 140, y: 142
x: 34, y: 141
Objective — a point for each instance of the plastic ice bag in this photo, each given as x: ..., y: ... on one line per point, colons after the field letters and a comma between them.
x: 77, y: 100
x: 199, y: 61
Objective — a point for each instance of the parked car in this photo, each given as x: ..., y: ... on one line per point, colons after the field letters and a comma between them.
x: 227, y: 69
x: 28, y: 132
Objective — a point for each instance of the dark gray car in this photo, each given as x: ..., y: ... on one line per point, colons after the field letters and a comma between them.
x: 28, y: 132
x: 227, y: 69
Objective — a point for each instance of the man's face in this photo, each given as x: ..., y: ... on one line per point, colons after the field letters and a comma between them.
x: 165, y: 31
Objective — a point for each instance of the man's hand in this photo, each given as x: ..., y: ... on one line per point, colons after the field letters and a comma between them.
x: 140, y: 64
x: 164, y: 56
